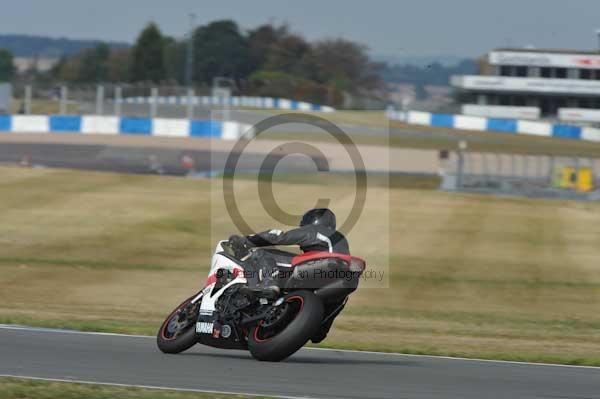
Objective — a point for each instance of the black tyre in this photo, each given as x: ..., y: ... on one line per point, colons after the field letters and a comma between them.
x: 178, y: 331
x: 304, y: 314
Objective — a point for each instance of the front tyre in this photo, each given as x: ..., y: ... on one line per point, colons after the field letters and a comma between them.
x: 178, y: 331
x: 275, y: 339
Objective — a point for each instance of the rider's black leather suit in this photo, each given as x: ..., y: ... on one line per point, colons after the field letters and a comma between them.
x: 308, y: 238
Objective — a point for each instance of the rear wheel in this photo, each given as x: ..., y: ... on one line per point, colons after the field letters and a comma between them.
x: 178, y: 331
x: 288, y: 328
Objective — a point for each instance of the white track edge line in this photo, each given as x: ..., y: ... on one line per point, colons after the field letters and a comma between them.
x: 43, y: 329
x: 154, y: 387
x: 62, y: 331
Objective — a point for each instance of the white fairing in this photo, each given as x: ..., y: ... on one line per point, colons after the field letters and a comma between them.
x: 209, y: 298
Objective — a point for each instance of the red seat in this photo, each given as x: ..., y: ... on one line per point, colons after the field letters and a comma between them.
x: 308, y: 256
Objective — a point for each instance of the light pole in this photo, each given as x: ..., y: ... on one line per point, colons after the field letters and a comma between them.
x: 189, y: 67
x: 189, y: 60
x: 462, y: 148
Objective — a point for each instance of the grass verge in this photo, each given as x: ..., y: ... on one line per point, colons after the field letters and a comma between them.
x: 17, y: 388
x: 473, y: 276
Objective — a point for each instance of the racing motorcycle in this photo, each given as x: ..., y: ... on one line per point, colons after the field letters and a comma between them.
x: 225, y: 314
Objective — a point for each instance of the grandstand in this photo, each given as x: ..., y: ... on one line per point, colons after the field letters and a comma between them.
x: 532, y: 84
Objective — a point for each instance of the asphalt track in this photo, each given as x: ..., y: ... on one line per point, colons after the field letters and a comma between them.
x: 142, y: 160
x: 135, y: 360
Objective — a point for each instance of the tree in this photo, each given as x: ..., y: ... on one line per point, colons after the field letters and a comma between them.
x: 67, y: 69
x: 93, y: 66
x: 281, y: 84
x: 345, y: 65
x: 119, y: 66
x: 174, y: 54
x: 262, y: 40
x: 148, y: 63
x: 290, y: 54
x: 220, y: 50
x: 7, y: 68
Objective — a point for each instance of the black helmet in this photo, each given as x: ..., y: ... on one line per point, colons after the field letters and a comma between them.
x: 319, y: 217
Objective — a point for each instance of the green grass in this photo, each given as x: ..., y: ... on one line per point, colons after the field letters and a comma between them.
x: 470, y: 276
x: 14, y: 388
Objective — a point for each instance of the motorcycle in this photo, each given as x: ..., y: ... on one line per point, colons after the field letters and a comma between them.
x: 225, y: 314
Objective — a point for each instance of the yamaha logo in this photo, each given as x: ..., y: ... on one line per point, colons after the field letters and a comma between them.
x: 204, y: 328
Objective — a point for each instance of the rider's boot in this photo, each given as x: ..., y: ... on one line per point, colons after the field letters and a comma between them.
x: 266, y: 287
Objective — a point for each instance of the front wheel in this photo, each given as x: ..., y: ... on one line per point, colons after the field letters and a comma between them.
x: 290, y: 327
x: 178, y: 331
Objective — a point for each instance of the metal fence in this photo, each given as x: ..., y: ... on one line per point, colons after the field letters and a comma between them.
x: 519, y: 174
x: 141, y: 100
x: 106, y: 100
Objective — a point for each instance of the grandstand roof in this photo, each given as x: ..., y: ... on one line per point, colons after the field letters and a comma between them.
x: 551, y: 51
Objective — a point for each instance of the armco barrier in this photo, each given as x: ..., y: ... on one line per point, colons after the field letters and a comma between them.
x: 91, y: 124
x: 510, y: 126
x: 233, y: 101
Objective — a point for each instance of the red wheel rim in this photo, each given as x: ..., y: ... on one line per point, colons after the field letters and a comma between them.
x: 166, y: 323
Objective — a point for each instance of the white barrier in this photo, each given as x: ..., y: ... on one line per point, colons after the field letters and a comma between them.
x: 419, y: 118
x: 578, y: 115
x: 535, y: 128
x: 511, y: 126
x: 590, y: 133
x: 93, y: 124
x: 170, y: 127
x: 30, y: 124
x: 469, y: 122
x: 99, y: 124
x: 501, y: 111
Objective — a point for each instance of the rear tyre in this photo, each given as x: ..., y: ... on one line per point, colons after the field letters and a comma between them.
x: 306, y: 312
x: 178, y: 331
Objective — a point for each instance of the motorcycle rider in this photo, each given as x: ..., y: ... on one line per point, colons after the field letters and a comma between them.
x: 317, y: 232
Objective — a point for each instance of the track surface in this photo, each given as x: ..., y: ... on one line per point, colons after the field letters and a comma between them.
x: 125, y: 159
x: 118, y: 359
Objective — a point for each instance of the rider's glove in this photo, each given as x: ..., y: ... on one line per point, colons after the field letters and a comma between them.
x: 239, y: 245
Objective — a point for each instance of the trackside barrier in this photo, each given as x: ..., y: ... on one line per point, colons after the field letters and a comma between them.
x: 233, y: 101
x: 508, y: 126
x: 91, y: 124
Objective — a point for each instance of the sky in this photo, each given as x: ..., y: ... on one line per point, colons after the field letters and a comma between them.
x: 391, y: 28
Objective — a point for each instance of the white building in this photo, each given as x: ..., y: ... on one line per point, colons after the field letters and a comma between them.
x: 531, y: 83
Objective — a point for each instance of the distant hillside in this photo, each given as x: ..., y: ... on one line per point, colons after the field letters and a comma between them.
x: 432, y: 74
x: 446, y: 60
x: 41, y: 46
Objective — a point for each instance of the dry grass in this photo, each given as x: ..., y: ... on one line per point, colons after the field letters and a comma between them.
x: 468, y: 275
x: 45, y: 107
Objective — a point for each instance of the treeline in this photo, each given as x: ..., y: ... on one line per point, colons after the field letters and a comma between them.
x: 7, y: 67
x: 267, y: 61
x: 32, y: 46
